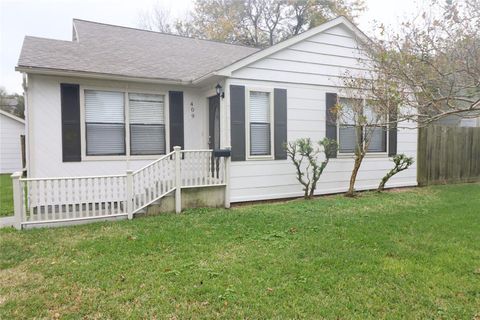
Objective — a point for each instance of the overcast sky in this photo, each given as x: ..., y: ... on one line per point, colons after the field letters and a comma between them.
x: 53, y: 19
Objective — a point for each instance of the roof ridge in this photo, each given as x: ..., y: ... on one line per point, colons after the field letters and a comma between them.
x: 165, y: 33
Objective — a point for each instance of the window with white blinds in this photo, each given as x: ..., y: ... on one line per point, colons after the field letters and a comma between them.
x: 378, y: 139
x: 347, y: 138
x: 347, y: 135
x: 105, y: 122
x: 378, y: 133
x: 147, y: 124
x: 260, y: 127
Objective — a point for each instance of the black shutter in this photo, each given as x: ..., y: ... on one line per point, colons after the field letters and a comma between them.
x: 237, y: 122
x: 70, y: 104
x: 175, y: 100
x: 331, y: 119
x: 280, y: 123
x: 392, y: 134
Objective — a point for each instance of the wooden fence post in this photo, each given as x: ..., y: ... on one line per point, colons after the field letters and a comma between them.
x: 130, y: 194
x: 17, y: 200
x: 227, y: 179
x: 178, y: 179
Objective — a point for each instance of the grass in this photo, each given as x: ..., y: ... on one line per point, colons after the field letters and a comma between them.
x: 6, y: 195
x: 411, y: 254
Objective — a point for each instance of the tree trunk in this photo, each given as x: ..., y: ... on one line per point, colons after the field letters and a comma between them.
x: 353, y: 178
x: 387, y: 177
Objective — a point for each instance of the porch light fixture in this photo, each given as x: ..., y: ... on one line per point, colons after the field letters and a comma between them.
x: 219, y: 91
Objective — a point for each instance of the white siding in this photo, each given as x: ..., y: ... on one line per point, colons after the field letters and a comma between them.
x: 321, y: 59
x: 308, y: 70
x: 10, y: 146
x: 45, y: 137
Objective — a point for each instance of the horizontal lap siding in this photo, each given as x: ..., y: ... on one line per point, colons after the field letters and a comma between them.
x: 45, y: 126
x: 259, y: 180
x: 308, y: 70
x: 322, y: 60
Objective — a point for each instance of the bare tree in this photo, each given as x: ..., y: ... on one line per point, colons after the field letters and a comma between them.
x: 369, y: 106
x: 156, y: 19
x: 257, y: 23
x: 435, y: 57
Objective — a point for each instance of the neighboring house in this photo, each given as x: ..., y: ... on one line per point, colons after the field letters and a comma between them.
x: 460, y: 120
x: 117, y: 98
x: 12, y: 128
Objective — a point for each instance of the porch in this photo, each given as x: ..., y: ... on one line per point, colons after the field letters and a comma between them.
x: 66, y: 200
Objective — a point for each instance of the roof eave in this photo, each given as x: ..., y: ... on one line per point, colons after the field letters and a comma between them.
x: 11, y: 116
x: 97, y: 75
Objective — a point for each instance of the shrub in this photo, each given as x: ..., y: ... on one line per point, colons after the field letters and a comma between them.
x: 402, y: 162
x: 305, y: 157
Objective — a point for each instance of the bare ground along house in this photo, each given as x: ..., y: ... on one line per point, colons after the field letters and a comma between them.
x: 116, y: 100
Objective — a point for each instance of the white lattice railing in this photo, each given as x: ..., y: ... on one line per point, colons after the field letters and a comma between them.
x: 57, y: 199
x: 43, y: 200
x: 199, y: 168
x: 153, y: 182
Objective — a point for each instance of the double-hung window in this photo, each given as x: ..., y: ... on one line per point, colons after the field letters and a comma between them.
x: 348, y: 132
x: 105, y: 122
x: 359, y: 124
x: 147, y: 124
x: 108, y: 128
x: 376, y: 129
x: 259, y: 123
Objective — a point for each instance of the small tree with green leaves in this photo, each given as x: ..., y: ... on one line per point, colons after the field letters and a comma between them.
x: 402, y: 162
x: 305, y: 157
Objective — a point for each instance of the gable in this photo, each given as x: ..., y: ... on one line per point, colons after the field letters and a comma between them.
x: 321, y: 59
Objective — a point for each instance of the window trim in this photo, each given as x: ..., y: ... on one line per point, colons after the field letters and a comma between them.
x: 369, y: 154
x: 271, y: 156
x: 127, y: 155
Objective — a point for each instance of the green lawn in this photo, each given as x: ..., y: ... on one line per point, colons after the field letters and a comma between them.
x: 411, y: 254
x: 6, y: 195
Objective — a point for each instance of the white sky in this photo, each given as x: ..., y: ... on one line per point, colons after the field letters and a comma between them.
x: 53, y: 19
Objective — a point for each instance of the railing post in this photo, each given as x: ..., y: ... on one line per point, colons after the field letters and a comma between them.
x: 178, y: 180
x: 17, y: 200
x: 227, y: 180
x: 129, y: 194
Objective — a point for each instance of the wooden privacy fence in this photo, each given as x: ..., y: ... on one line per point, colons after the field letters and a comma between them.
x: 44, y: 200
x: 448, y: 155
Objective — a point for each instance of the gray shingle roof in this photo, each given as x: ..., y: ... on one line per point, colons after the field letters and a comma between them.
x: 123, y: 51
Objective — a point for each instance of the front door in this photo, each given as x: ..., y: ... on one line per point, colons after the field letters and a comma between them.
x: 214, y: 122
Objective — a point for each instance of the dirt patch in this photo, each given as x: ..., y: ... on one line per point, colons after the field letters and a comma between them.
x: 15, y: 277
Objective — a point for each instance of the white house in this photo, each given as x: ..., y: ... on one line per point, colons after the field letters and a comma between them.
x: 12, y: 128
x: 115, y: 99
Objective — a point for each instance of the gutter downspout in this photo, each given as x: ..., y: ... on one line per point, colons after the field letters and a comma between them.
x: 27, y: 122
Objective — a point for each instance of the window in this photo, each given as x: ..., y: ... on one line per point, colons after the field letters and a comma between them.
x: 348, y: 131
x: 377, y: 130
x: 259, y: 123
x: 109, y: 132
x: 147, y: 124
x: 346, y: 128
x: 104, y: 122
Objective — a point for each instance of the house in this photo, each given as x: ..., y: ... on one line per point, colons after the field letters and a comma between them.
x: 466, y: 119
x: 116, y: 99
x: 12, y: 129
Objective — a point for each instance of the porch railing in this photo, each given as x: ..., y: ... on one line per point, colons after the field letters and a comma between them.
x: 44, y: 200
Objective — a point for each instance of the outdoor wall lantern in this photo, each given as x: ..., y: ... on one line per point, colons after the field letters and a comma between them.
x: 219, y: 91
